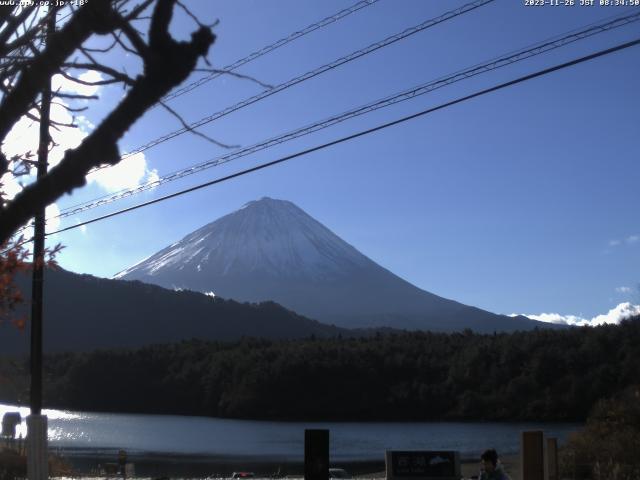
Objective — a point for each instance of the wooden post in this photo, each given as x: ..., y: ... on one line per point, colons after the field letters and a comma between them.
x: 316, y: 454
x: 552, y: 459
x: 37, y: 451
x: 532, y: 456
x: 37, y: 446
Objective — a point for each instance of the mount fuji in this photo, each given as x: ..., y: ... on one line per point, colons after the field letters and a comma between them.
x: 272, y: 250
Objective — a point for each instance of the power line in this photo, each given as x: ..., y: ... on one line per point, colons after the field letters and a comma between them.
x: 270, y: 48
x: 495, y: 63
x: 310, y: 74
x: 354, y: 55
x: 525, y: 78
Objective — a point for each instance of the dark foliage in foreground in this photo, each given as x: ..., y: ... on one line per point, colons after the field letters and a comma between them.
x: 608, y: 446
x: 538, y: 375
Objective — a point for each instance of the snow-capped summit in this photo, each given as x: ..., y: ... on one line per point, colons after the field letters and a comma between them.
x: 264, y: 237
x: 272, y: 250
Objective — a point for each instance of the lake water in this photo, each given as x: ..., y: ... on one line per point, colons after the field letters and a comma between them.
x: 215, y: 437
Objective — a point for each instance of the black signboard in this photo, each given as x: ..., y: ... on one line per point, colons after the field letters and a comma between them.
x: 423, y: 464
x: 316, y: 454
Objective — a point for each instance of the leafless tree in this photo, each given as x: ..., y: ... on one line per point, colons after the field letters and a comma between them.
x: 27, y: 62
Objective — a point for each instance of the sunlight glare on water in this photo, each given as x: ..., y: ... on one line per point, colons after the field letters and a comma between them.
x: 284, y: 440
x: 52, y: 415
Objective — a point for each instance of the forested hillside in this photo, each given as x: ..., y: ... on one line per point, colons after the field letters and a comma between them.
x: 538, y: 375
x: 103, y: 313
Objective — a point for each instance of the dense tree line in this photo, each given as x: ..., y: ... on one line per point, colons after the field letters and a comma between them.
x: 537, y: 375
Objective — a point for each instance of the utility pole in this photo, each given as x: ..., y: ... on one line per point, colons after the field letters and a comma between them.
x: 37, y: 452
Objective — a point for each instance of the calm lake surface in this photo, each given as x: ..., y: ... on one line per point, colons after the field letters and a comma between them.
x: 349, y: 441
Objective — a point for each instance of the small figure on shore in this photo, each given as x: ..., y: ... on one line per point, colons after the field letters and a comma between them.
x: 122, y: 463
x: 491, y: 467
x: 10, y: 421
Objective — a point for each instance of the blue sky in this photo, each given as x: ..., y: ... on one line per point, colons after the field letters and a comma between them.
x: 521, y: 201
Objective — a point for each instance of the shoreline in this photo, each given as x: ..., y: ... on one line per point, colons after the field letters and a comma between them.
x: 87, y: 463
x: 150, y: 464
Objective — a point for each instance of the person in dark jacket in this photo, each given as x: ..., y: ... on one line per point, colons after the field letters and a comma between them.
x: 491, y: 468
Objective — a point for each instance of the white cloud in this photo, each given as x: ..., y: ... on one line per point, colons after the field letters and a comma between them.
x: 85, y: 124
x: 152, y: 176
x: 617, y: 314
x: 52, y: 223
x: 51, y: 212
x: 83, y: 228
x: 24, y: 135
x: 631, y: 239
x: 65, y: 137
x: 554, y: 318
x: 623, y: 289
x: 58, y: 82
x: 22, y: 138
x: 129, y: 173
x: 613, y: 316
x: 10, y: 186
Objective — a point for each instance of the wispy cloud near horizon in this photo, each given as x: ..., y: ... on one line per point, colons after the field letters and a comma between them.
x: 613, y: 317
x: 628, y: 240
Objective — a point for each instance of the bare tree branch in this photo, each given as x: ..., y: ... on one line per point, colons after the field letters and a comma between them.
x: 189, y: 13
x: 167, y: 63
x: 96, y: 83
x: 70, y: 109
x: 118, y: 76
x: 30, y: 34
x: 124, y: 46
x: 5, y: 12
x: 135, y: 13
x: 194, y: 18
x: 75, y: 96
x: 134, y: 37
x: 93, y: 17
x: 100, y: 50
x: 13, y: 23
x: 88, y: 56
x: 235, y: 74
x: 189, y: 128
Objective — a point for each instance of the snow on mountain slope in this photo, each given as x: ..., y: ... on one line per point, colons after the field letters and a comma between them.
x: 272, y: 250
x: 267, y: 236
